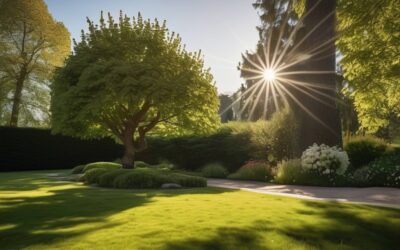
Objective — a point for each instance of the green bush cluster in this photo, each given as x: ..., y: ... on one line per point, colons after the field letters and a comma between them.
x: 254, y: 170
x: 139, y: 178
x: 78, y: 169
x: 384, y: 171
x: 275, y: 139
x: 214, y: 170
x: 364, y: 149
x: 290, y: 172
x: 193, y: 152
x: 103, y: 165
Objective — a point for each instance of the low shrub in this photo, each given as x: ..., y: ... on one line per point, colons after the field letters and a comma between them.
x: 364, y: 149
x: 384, y: 171
x: 188, y: 181
x: 101, y: 164
x: 290, y: 172
x: 92, y: 175
x: 107, y: 179
x: 141, y: 178
x: 141, y: 164
x: 78, y: 169
x: 214, y: 170
x: 253, y: 170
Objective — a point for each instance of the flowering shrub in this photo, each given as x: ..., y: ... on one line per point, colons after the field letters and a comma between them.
x: 325, y: 160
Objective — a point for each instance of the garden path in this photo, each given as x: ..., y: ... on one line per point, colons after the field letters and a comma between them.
x: 377, y: 196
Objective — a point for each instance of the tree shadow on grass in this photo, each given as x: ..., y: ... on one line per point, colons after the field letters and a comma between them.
x: 343, y: 226
x: 51, y: 215
x: 226, y: 238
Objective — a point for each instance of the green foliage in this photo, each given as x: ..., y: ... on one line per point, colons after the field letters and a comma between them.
x: 107, y: 179
x: 290, y: 172
x: 253, y: 170
x: 214, y: 170
x: 275, y: 139
x: 384, y: 171
x: 133, y: 74
x: 32, y: 44
x: 193, y: 152
x: 153, y: 178
x: 78, y: 169
x: 92, y: 175
x: 141, y: 164
x: 101, y: 164
x: 369, y: 41
x: 364, y: 149
x: 188, y: 180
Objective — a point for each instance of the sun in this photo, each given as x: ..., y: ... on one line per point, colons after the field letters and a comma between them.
x: 269, y: 75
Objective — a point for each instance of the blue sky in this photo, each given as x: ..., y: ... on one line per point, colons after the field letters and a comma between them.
x: 222, y: 29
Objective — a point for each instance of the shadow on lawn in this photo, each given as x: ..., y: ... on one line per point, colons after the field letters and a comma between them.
x: 345, y: 225
x: 28, y: 220
x: 334, y: 226
x: 227, y: 238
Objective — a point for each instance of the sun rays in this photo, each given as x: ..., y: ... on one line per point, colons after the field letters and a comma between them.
x: 273, y: 75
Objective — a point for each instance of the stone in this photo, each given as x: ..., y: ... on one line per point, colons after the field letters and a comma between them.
x: 171, y: 185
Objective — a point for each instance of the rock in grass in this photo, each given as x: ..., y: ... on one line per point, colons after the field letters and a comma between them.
x: 171, y: 185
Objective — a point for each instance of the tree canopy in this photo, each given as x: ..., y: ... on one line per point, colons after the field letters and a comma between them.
x: 130, y: 77
x: 369, y: 41
x: 32, y: 43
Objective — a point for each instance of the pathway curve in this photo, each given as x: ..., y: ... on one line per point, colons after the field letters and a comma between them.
x: 378, y: 196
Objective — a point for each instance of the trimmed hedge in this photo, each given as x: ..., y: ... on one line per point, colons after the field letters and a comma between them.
x: 37, y: 149
x: 192, y: 153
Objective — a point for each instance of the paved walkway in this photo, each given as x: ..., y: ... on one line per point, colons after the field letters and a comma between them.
x: 378, y: 196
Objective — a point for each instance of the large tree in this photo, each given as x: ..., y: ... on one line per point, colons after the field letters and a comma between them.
x: 297, y: 45
x: 370, y: 44
x: 127, y: 78
x: 32, y: 43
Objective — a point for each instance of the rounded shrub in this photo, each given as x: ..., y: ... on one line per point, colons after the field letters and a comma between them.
x: 92, y: 175
x: 364, y: 149
x: 253, y: 170
x: 324, y: 160
x: 107, y: 179
x: 384, y: 171
x: 103, y: 165
x: 214, y: 170
x: 140, y: 178
x: 78, y: 169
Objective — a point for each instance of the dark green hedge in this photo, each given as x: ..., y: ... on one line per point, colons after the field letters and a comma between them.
x: 37, y: 149
x: 192, y: 153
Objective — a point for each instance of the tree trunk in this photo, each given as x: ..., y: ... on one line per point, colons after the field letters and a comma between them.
x: 129, y: 155
x: 327, y: 129
x: 17, y: 98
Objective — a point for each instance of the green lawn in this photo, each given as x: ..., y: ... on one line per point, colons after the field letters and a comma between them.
x: 36, y: 212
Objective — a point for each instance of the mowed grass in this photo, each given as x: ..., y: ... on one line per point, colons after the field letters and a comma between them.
x: 37, y: 212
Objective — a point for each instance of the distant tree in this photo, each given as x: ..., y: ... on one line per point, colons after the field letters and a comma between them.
x: 32, y: 43
x: 370, y: 44
x: 131, y: 77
